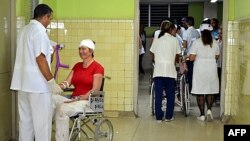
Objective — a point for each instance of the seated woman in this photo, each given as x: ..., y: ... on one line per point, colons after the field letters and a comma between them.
x: 85, y: 76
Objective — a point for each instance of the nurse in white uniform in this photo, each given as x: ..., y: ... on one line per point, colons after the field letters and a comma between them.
x: 32, y: 78
x: 204, y: 53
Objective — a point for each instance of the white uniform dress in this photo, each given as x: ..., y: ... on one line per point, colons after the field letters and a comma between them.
x: 205, y: 77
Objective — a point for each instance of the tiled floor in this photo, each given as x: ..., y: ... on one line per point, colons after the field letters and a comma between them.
x: 145, y: 127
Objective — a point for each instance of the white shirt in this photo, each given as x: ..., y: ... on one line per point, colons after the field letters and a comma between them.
x: 165, y: 49
x: 183, y: 30
x: 32, y: 40
x: 180, y: 40
x: 190, y: 36
x: 156, y: 34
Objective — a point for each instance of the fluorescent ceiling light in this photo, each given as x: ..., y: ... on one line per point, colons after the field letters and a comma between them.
x: 213, y: 1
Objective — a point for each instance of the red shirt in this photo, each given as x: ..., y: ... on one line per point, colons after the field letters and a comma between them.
x: 83, y: 77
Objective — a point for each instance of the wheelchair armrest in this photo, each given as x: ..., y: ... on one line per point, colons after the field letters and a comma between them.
x: 96, y: 94
x: 76, y: 115
x: 68, y: 90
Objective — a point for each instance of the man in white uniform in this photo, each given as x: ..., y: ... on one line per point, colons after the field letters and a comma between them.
x: 32, y: 78
x: 190, y: 35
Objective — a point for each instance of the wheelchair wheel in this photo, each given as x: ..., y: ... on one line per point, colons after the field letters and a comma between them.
x: 150, y: 83
x: 104, y: 131
x: 153, y: 98
x: 183, y: 94
x: 184, y: 91
x: 187, y: 102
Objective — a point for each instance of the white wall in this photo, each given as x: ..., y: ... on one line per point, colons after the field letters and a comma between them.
x: 210, y: 10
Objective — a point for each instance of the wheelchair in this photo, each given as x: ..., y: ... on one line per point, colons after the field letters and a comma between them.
x: 90, y: 123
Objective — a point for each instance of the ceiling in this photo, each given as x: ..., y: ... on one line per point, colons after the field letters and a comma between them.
x: 173, y: 1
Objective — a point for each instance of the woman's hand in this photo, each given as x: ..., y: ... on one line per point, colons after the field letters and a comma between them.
x: 70, y: 100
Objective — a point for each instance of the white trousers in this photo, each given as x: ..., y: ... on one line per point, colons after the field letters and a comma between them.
x: 62, y: 113
x: 35, y: 116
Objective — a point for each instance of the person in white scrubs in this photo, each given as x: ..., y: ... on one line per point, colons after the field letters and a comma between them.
x: 189, y: 36
x: 165, y: 50
x: 32, y: 77
x: 204, y: 53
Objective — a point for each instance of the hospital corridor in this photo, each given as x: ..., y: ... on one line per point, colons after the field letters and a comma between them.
x: 65, y: 64
x: 144, y: 127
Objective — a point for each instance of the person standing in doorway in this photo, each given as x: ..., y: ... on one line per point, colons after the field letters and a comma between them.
x: 32, y: 77
x: 141, y: 54
x: 142, y: 47
x: 143, y: 36
x: 219, y: 64
x: 204, y: 53
x: 165, y: 50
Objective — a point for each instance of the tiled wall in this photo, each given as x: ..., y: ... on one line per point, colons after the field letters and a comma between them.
x: 231, y: 69
x: 238, y: 69
x: 114, y: 50
x: 5, y: 73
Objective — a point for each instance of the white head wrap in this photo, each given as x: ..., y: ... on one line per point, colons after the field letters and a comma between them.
x: 88, y: 43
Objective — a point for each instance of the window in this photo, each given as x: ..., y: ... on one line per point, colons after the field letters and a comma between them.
x: 158, y: 13
x: 178, y: 11
x: 144, y: 14
x: 152, y: 14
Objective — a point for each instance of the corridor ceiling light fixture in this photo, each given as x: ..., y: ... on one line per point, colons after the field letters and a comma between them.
x: 213, y: 1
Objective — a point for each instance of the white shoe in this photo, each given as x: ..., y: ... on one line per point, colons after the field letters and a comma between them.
x: 158, y: 121
x: 168, y: 120
x: 201, y: 118
x: 209, y: 115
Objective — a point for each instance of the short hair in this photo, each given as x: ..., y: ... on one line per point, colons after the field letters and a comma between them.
x: 190, y: 20
x: 41, y: 10
x: 215, y: 20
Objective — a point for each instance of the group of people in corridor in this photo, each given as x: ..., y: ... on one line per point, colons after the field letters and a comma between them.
x: 40, y: 97
x: 202, y: 55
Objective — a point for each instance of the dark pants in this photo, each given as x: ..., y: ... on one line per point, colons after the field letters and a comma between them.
x: 141, y: 70
x: 168, y: 85
x: 190, y: 65
x: 217, y: 96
